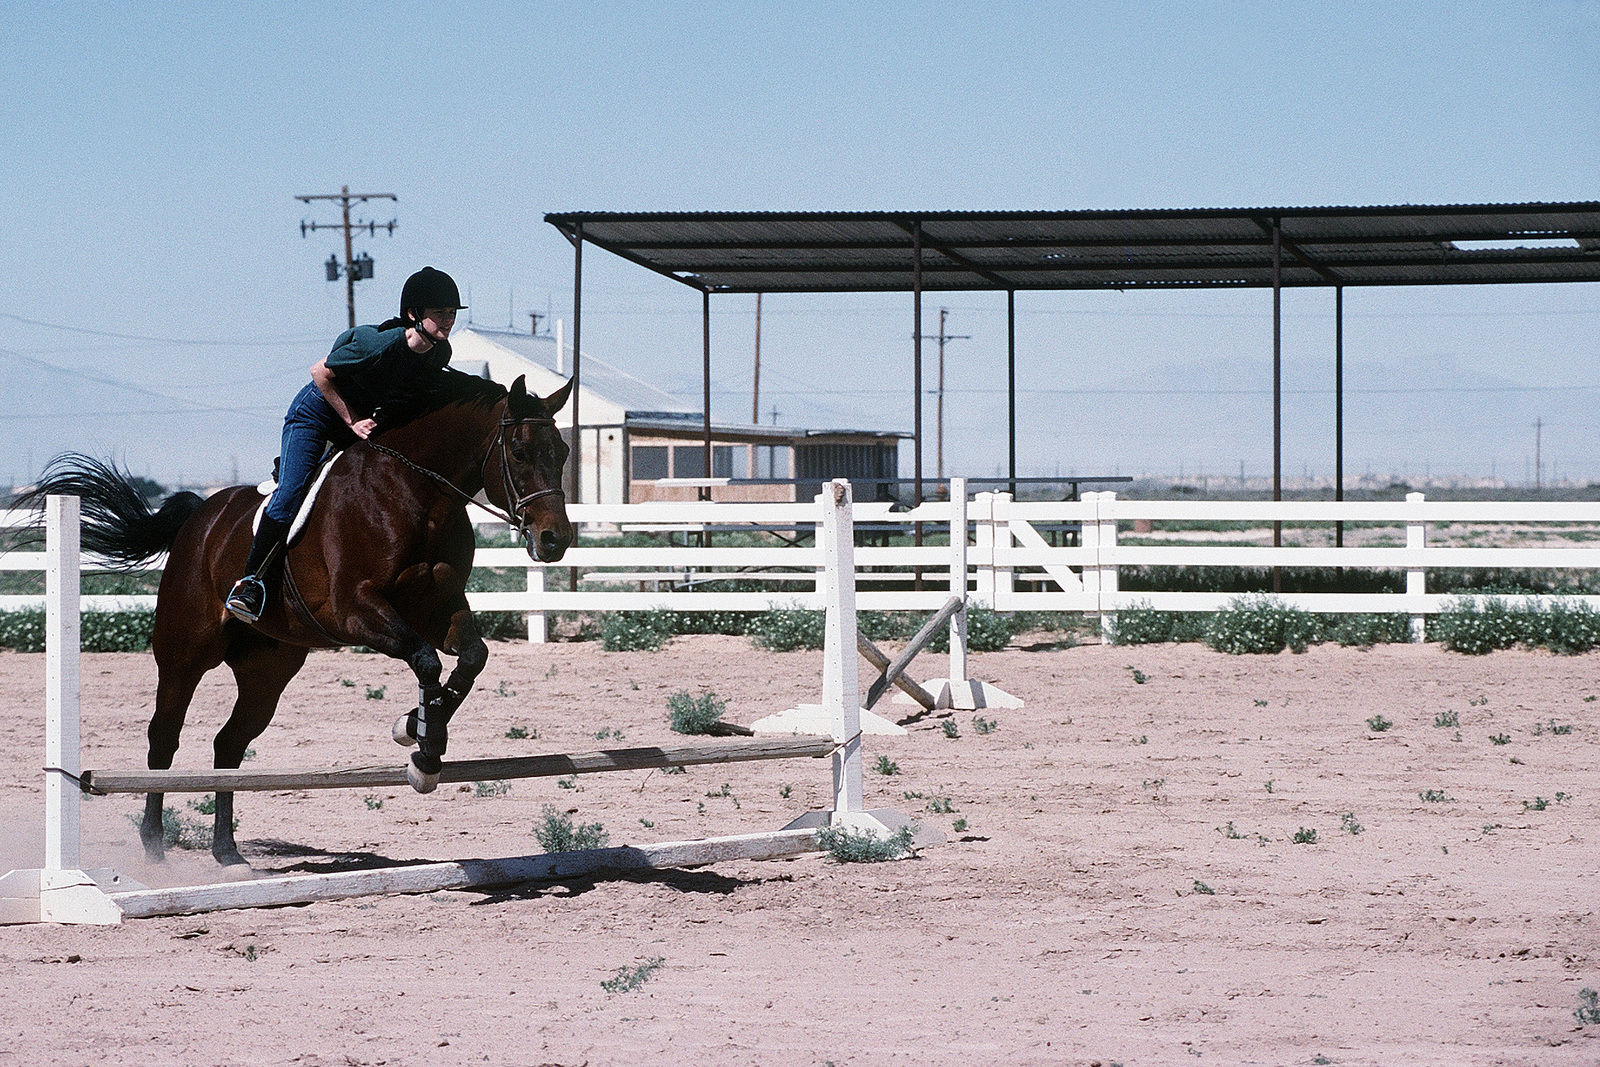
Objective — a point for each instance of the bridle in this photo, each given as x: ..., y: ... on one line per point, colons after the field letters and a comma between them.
x: 513, y: 494
x: 515, y: 498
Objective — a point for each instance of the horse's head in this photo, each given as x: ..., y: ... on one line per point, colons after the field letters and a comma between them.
x: 532, y: 455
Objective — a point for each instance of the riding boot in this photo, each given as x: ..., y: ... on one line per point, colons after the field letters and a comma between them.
x: 249, y: 596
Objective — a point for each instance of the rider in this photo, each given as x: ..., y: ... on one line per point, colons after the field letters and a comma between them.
x: 368, y: 366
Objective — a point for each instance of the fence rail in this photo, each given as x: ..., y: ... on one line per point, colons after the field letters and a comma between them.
x: 1008, y: 561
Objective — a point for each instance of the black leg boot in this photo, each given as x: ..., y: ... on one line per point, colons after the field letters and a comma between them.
x: 249, y: 596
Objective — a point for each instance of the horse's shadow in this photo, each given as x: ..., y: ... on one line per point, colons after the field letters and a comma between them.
x: 322, y: 861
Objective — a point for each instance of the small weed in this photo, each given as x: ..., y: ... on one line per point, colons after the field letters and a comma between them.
x: 984, y: 726
x: 860, y: 846
x: 606, y: 732
x: 503, y: 690
x: 1155, y: 785
x: 1500, y: 739
x: 646, y: 823
x: 556, y: 832
x: 1269, y: 785
x: 627, y: 979
x: 1230, y: 833
x: 725, y: 791
x: 1588, y: 1007
x: 1142, y: 739
x: 674, y: 770
x: 1348, y: 823
x: 249, y: 754
x: 1320, y: 1059
x: 490, y: 789
x: 1261, y: 703
x: 376, y: 692
x: 552, y: 672
x: 1479, y: 702
x: 1378, y: 724
x: 1203, y: 889
x: 690, y: 714
x: 786, y: 792
x: 1139, y: 677
x: 348, y: 683
x: 959, y: 826
x: 886, y: 766
x: 951, y: 730
x: 374, y: 803
x: 633, y: 685
x: 1560, y: 728
x: 206, y: 805
x: 1562, y: 798
x: 569, y: 782
x: 1516, y: 761
x: 1304, y: 836
x: 1446, y: 720
x: 1589, y: 699
x: 1433, y: 796
x: 517, y: 733
x: 251, y: 954
x: 941, y: 806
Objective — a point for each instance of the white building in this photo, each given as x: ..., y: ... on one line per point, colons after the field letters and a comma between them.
x: 637, y: 438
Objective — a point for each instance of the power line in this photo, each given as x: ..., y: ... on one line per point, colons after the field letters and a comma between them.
x: 208, y: 342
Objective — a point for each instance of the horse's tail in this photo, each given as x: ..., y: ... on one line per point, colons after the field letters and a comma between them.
x: 117, y: 523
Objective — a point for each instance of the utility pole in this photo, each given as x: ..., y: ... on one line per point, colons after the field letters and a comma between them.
x: 535, y: 316
x: 755, y: 388
x: 354, y: 269
x: 942, y: 337
x: 1538, y: 468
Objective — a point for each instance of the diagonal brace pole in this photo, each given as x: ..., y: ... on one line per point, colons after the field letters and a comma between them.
x: 909, y: 653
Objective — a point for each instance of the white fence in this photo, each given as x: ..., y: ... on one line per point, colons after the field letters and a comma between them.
x: 997, y: 544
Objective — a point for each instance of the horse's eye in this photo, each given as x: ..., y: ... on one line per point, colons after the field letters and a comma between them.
x: 519, y: 451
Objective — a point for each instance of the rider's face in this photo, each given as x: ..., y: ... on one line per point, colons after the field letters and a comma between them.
x: 436, y: 322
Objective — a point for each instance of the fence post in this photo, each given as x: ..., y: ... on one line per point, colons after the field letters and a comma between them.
x: 1106, y: 539
x: 841, y: 679
x: 1416, y: 577
x: 958, y: 577
x: 537, y: 633
x: 1005, y: 585
x: 983, y: 548
x: 61, y: 686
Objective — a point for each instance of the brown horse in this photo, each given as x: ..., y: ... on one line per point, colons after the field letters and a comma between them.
x: 382, y: 562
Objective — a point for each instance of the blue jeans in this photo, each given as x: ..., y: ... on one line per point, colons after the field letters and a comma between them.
x: 308, y: 428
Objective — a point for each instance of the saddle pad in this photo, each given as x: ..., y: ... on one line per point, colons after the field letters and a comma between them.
x: 266, y: 488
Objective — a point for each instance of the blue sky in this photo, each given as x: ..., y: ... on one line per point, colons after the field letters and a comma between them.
x: 162, y: 305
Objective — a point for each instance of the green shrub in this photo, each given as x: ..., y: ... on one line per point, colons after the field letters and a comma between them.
x: 987, y: 630
x: 634, y: 631
x: 1478, y: 628
x: 1261, y: 625
x: 22, y: 631
x: 861, y: 846
x: 787, y: 629
x: 690, y: 714
x: 116, y: 631
x: 556, y: 833
x: 1364, y: 631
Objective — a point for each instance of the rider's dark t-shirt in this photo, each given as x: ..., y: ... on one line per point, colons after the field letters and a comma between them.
x: 373, y: 367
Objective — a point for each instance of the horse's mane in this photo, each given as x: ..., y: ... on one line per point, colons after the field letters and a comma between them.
x: 427, y: 393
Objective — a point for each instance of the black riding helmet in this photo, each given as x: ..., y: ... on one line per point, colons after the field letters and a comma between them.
x: 429, y: 288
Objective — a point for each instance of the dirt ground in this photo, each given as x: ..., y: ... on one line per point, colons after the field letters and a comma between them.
x: 1124, y: 884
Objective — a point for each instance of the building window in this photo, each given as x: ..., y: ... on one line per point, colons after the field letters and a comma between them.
x: 772, y: 461
x: 649, y: 462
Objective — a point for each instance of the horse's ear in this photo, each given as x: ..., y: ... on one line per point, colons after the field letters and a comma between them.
x: 519, y: 392
x: 558, y: 399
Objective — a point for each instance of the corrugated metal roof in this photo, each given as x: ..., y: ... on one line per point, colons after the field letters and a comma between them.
x: 774, y: 252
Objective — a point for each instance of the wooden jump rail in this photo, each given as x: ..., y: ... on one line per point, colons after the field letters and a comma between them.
x: 472, y: 770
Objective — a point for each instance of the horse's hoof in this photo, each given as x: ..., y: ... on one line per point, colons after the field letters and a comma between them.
x: 402, y: 731
x: 421, y: 780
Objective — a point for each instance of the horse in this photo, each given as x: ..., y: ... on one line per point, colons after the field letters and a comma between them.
x: 383, y: 562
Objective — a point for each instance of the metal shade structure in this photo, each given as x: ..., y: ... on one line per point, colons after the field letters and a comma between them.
x: 840, y: 252
x: 1011, y: 251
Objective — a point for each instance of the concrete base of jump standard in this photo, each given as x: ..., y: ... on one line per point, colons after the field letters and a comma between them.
x: 104, y: 898
x: 964, y: 694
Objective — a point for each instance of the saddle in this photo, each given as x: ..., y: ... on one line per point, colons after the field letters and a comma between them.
x: 298, y: 525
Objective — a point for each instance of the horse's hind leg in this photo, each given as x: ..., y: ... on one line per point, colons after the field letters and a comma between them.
x: 262, y: 668
x: 178, y: 677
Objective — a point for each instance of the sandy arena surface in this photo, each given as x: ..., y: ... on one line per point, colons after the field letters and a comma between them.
x: 1126, y: 887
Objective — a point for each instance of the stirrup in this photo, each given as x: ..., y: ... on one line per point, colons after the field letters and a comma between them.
x: 248, y: 599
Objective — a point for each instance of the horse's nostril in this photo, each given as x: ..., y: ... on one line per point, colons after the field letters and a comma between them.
x: 549, y: 541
